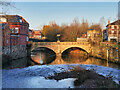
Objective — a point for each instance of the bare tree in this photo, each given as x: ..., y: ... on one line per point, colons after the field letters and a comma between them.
x: 6, y: 6
x: 119, y: 10
x: 102, y: 22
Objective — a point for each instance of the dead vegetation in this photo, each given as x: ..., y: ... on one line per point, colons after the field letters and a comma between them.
x: 86, y: 79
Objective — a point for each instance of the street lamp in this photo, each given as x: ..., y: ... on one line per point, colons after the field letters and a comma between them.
x: 58, y: 35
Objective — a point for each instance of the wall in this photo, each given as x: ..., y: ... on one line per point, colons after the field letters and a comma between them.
x: 100, y: 51
x: 13, y: 53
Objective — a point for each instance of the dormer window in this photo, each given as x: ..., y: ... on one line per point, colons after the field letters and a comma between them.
x: 20, y: 20
x: 3, y: 19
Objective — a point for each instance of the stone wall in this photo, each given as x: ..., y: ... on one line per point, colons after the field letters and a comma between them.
x: 15, y: 52
x: 100, y: 51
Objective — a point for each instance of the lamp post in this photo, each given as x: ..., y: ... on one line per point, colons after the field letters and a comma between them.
x: 58, y: 35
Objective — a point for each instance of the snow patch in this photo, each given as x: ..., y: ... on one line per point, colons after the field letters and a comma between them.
x: 33, y: 76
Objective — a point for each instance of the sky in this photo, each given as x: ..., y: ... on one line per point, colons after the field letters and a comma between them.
x: 41, y: 13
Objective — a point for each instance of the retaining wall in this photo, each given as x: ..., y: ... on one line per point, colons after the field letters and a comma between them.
x: 15, y: 52
x: 100, y: 51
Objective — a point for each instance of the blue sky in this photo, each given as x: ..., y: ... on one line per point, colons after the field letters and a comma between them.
x: 41, y: 13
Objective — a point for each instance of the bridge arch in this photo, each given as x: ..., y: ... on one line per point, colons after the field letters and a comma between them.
x: 43, y: 47
x: 67, y: 48
x: 60, y: 47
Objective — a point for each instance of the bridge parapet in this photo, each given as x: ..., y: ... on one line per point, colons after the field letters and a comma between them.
x: 60, y: 43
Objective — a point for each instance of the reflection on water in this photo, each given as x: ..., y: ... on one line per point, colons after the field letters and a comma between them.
x: 43, y: 56
x: 49, y: 57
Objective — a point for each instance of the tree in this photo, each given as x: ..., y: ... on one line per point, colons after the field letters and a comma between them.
x: 96, y: 27
x: 102, y: 22
x: 51, y: 32
x: 5, y: 6
x: 83, y: 27
x: 119, y: 10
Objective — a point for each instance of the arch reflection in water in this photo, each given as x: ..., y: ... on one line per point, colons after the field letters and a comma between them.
x: 43, y: 56
x: 74, y: 55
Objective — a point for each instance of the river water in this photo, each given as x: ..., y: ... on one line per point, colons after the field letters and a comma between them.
x: 76, y: 56
x: 46, y: 64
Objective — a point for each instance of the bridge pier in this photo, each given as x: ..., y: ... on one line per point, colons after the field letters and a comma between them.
x: 58, y: 59
x: 58, y: 55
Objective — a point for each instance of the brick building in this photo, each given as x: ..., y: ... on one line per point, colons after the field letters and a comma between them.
x: 5, y: 34
x: 113, y: 31
x: 35, y: 34
x: 18, y: 33
x: 30, y: 33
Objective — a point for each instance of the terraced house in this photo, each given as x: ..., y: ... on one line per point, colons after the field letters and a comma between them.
x: 18, y: 28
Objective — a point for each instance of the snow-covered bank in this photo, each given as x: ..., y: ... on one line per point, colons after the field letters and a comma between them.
x: 32, y: 76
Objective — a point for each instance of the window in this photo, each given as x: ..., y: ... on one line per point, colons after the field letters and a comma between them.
x: 3, y: 20
x: 27, y: 39
x: 20, y: 20
x: 112, y: 32
x: 16, y: 30
x: 115, y: 27
x: 7, y: 41
x: 112, y: 27
x: 89, y: 35
x: 12, y: 30
x: 115, y: 32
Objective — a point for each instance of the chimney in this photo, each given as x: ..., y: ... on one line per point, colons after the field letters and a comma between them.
x: 108, y: 21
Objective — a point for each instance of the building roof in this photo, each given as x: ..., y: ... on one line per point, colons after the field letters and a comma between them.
x: 3, y: 25
x: 30, y: 30
x: 14, y: 18
x: 114, y: 23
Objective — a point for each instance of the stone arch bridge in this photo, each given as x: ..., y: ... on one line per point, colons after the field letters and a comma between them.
x: 60, y: 47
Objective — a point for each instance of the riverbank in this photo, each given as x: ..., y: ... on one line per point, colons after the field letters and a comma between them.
x: 31, y: 77
x: 107, y: 51
x: 86, y: 79
x: 9, y: 63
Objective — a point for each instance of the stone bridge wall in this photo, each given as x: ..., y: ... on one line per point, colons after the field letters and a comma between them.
x: 60, y: 47
x: 99, y: 51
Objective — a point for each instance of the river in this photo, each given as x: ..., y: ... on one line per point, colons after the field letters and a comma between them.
x: 76, y: 56
x: 46, y: 63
